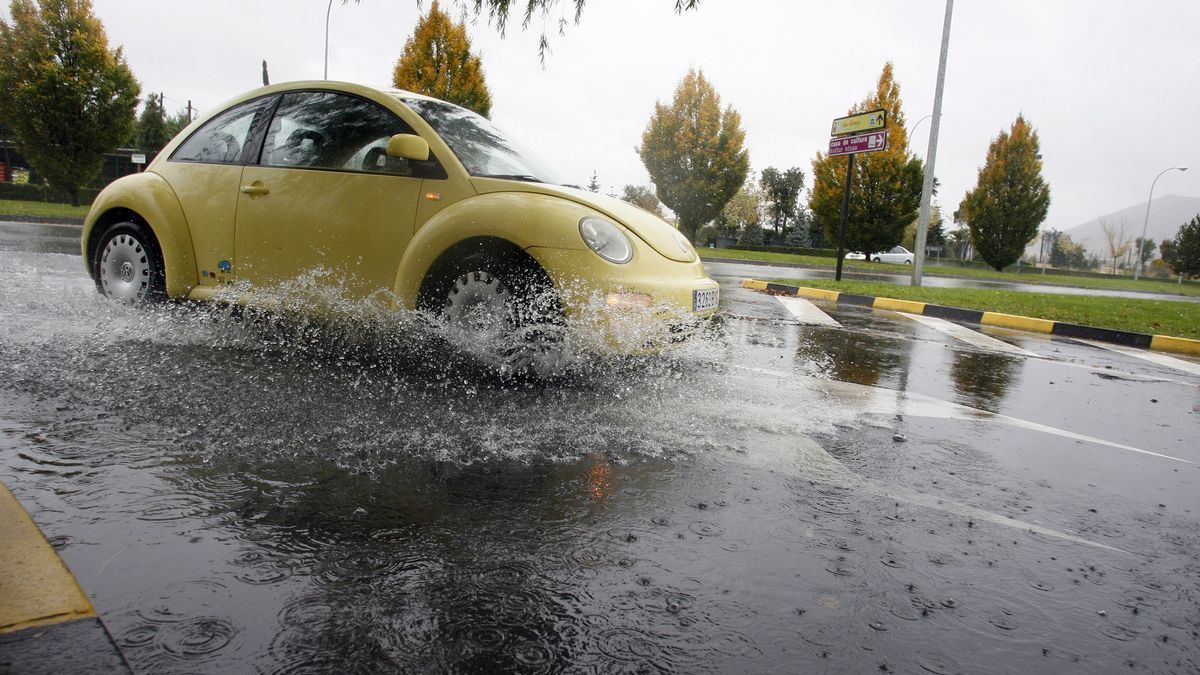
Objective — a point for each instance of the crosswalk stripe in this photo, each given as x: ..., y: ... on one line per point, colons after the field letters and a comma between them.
x: 970, y: 336
x: 1153, y: 357
x: 806, y: 312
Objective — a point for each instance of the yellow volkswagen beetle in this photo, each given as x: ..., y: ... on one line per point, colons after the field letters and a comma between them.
x: 384, y: 190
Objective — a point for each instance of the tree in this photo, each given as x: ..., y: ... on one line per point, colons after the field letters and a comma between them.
x: 885, y: 192
x: 68, y: 98
x: 1145, y: 247
x: 694, y: 152
x: 175, y: 124
x: 781, y: 193
x: 640, y: 195
x: 1169, y: 255
x: 497, y: 11
x: 1185, y: 249
x: 437, y: 61
x: 594, y: 183
x: 744, y: 210
x: 1064, y: 252
x: 1116, y: 238
x: 151, y: 134
x: 1010, y: 199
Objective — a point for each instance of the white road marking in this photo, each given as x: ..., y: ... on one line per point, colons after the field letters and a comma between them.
x: 879, y: 401
x: 1153, y: 357
x: 805, y: 312
x: 968, y: 335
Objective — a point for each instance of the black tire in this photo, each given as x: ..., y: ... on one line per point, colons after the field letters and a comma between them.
x: 501, y: 311
x: 907, y: 262
x: 876, y: 260
x: 127, y: 265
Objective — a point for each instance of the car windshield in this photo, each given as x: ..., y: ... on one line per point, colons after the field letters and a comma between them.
x: 482, y: 148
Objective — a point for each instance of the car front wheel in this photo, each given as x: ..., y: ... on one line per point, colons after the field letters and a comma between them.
x: 128, y: 266
x: 502, y: 313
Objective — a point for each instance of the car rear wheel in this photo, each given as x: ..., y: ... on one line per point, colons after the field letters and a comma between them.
x: 502, y: 313
x: 128, y: 265
x: 876, y: 259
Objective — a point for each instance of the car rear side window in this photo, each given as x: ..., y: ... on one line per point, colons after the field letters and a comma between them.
x: 332, y: 131
x: 223, y: 139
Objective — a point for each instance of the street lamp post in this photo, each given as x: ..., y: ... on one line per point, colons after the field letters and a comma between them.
x: 1145, y: 223
x: 912, y: 127
x: 328, y: 9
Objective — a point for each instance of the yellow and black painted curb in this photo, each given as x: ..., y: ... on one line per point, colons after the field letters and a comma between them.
x: 47, y: 624
x: 1164, y: 343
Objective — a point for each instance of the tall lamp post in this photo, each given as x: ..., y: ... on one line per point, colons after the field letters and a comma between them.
x: 913, y: 127
x: 328, y: 9
x: 1145, y: 223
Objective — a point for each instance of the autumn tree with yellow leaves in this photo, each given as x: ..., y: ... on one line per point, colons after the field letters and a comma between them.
x: 885, y: 189
x: 694, y: 153
x: 437, y: 61
x: 1010, y: 200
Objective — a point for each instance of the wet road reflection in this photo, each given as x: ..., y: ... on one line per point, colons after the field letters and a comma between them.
x: 239, y: 495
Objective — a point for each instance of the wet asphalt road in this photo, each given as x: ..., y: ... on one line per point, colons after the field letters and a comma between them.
x: 872, y: 496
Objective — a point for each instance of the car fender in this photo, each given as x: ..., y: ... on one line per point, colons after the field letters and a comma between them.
x: 146, y: 196
x: 526, y: 220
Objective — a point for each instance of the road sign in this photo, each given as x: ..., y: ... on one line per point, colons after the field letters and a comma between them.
x: 871, y: 141
x: 876, y: 119
x: 137, y: 158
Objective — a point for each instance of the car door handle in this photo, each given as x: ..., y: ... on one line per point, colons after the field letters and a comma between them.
x: 255, y: 190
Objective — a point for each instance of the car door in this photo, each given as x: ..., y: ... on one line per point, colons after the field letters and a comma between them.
x: 324, y: 197
x: 205, y: 172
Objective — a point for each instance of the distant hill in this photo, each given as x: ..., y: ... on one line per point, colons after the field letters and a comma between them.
x: 1167, y: 213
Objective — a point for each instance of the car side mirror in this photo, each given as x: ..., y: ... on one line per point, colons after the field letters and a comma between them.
x: 408, y: 146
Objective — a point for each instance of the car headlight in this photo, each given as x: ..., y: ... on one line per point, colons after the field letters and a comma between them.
x: 606, y: 239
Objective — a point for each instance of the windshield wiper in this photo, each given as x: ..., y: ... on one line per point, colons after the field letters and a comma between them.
x: 513, y: 176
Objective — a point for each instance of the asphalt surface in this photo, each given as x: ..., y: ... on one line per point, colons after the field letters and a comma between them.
x: 870, y: 492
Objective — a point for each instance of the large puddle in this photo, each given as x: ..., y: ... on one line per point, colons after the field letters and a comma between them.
x: 345, y: 496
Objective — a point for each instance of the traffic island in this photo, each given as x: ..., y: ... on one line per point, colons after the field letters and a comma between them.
x: 1165, y: 343
x: 47, y: 624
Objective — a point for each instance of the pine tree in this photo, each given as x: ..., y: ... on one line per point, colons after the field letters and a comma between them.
x: 1184, y: 250
x: 885, y: 190
x: 67, y: 97
x: 437, y: 61
x: 151, y: 133
x: 694, y: 153
x: 1010, y: 199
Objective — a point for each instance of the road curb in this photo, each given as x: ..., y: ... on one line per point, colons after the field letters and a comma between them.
x: 40, y: 220
x: 47, y: 624
x: 1165, y: 343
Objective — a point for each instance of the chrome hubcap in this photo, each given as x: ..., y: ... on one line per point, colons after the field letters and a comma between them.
x: 125, y: 269
x: 478, y: 304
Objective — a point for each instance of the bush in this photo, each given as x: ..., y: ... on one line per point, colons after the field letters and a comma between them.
x: 28, y: 192
x: 793, y: 250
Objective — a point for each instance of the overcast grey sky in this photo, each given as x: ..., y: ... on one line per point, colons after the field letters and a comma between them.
x: 1113, y: 88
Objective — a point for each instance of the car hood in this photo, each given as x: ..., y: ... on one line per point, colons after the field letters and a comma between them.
x: 653, y: 230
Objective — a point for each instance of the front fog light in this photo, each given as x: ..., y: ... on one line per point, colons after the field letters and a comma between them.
x: 627, y: 300
x: 606, y: 239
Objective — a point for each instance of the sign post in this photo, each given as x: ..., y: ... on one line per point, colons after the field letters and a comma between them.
x: 864, y: 132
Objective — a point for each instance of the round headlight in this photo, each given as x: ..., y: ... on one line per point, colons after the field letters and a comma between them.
x: 606, y: 239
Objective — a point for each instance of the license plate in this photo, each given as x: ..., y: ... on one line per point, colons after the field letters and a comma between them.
x: 704, y: 298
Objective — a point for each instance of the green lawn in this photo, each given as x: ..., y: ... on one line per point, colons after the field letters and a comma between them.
x: 1116, y: 283
x: 10, y: 207
x: 1156, y: 317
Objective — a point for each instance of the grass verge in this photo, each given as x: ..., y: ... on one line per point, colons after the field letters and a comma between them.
x: 1156, y: 317
x: 1166, y: 287
x: 13, y: 207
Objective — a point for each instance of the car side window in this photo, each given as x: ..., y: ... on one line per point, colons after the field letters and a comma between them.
x: 223, y: 139
x: 338, y: 132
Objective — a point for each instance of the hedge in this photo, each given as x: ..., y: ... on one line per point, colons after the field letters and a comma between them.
x: 28, y: 192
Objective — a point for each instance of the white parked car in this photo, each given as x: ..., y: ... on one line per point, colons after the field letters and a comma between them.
x: 895, y: 254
